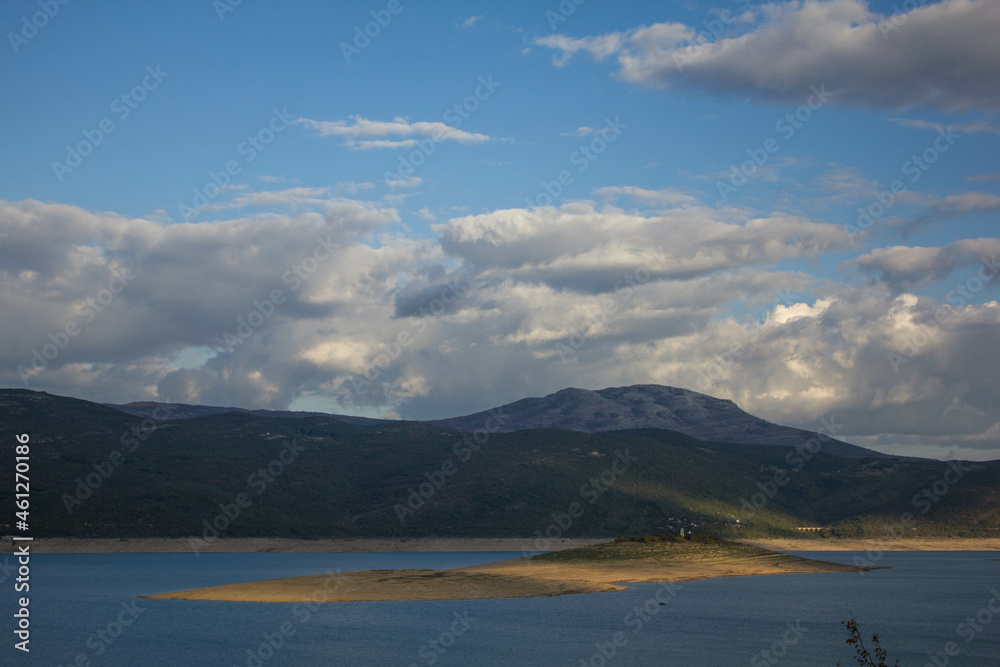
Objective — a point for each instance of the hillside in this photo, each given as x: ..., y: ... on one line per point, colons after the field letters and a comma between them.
x: 98, y: 472
x: 650, y: 406
x: 186, y: 411
x: 613, y: 409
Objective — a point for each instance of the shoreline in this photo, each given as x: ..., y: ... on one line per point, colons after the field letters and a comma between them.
x: 876, y: 544
x: 70, y: 545
x: 74, y: 545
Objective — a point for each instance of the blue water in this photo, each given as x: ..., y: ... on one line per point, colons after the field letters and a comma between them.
x: 916, y: 608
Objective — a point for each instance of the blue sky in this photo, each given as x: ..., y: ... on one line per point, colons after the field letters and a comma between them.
x: 199, y: 82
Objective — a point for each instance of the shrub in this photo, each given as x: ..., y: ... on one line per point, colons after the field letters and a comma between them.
x: 863, y: 657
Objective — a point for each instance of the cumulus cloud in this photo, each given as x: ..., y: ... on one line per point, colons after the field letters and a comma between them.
x: 924, y: 209
x: 363, y: 134
x: 936, y: 55
x: 353, y: 187
x: 659, y: 197
x: 964, y: 128
x: 670, y: 292
x: 966, y: 203
x: 881, y: 366
x: 583, y: 248
x: 288, y: 197
x: 598, y: 47
x: 405, y: 182
x: 907, y: 267
x: 846, y: 183
x: 167, y: 287
x: 983, y: 178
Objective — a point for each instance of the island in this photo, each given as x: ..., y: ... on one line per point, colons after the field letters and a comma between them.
x: 598, y: 568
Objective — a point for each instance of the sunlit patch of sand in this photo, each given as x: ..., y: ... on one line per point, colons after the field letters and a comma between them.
x: 593, y: 569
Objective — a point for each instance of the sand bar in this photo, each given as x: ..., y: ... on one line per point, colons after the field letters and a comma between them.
x: 594, y: 569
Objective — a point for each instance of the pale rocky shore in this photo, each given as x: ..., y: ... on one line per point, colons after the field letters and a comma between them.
x: 428, y: 544
x: 283, y: 545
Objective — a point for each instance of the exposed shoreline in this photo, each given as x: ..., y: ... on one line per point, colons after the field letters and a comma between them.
x: 72, y: 545
x: 594, y: 569
x: 876, y: 544
x: 68, y: 545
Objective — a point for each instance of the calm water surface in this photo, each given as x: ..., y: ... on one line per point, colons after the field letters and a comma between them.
x: 85, y: 611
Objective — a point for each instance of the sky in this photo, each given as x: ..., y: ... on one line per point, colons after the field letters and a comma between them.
x: 422, y: 210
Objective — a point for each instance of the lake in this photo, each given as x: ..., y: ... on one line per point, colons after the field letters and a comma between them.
x: 84, y: 611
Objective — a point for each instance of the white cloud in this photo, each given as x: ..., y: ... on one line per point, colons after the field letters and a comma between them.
x: 983, y: 178
x: 937, y: 55
x: 846, y: 182
x: 468, y: 22
x: 660, y: 197
x: 598, y: 47
x: 353, y: 188
x: 363, y: 134
x: 965, y: 203
x: 286, y: 197
x: 655, y: 296
x: 404, y: 182
x: 581, y: 247
x: 190, y: 282
x: 962, y: 128
x: 906, y: 267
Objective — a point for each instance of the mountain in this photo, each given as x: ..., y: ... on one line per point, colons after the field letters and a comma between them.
x: 614, y: 409
x: 651, y: 406
x: 98, y: 472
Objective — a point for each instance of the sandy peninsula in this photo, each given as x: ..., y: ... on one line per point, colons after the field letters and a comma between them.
x: 590, y: 569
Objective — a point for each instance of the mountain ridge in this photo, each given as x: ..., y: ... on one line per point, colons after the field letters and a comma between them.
x: 99, y: 472
x: 192, y: 411
x: 623, y: 408
x: 654, y: 406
